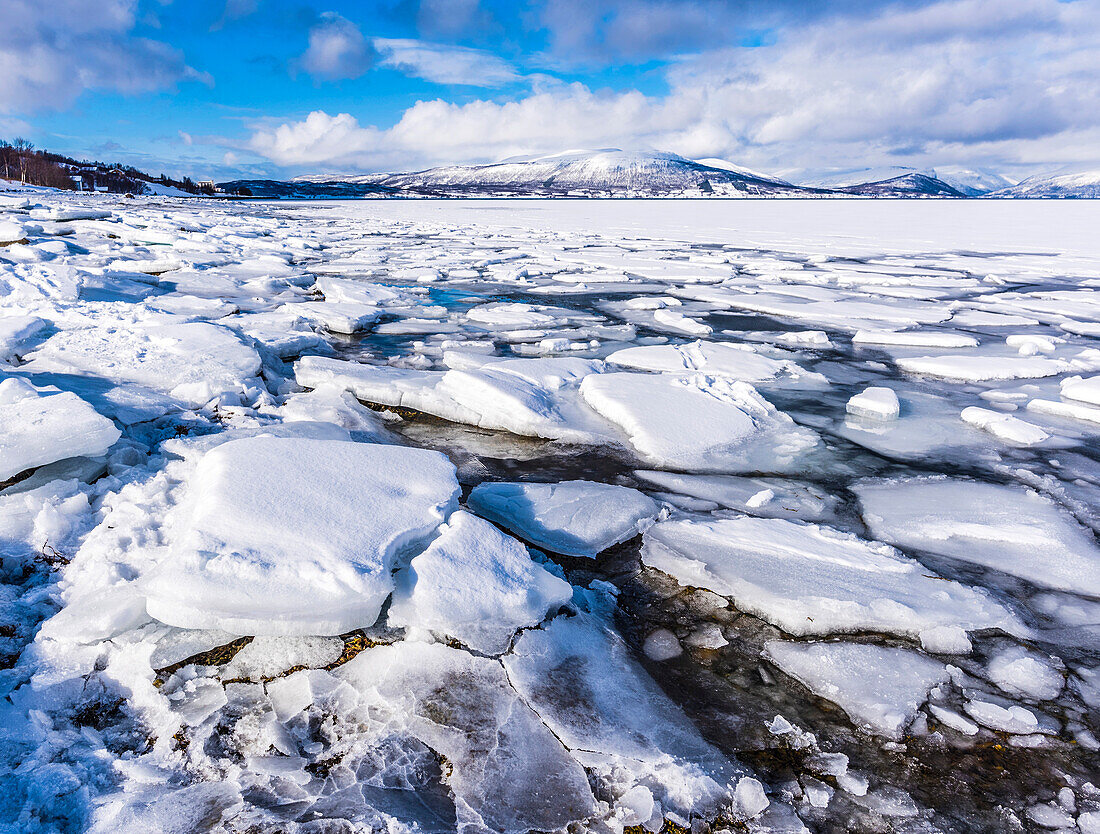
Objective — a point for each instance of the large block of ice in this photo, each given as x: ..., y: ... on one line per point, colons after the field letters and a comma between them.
x: 40, y: 428
x: 879, y: 687
x: 297, y: 536
x: 809, y: 579
x: 697, y: 422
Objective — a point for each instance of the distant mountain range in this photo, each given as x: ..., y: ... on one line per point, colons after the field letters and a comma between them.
x: 615, y: 173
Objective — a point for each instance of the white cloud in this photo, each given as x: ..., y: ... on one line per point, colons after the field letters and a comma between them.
x: 445, y: 64
x: 52, y: 52
x: 337, y: 49
x: 976, y: 81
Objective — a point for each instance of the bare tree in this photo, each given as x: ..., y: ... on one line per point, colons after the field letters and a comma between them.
x: 23, y: 148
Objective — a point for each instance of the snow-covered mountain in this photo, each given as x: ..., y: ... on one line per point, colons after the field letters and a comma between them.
x: 725, y: 165
x: 972, y: 182
x: 853, y: 177
x: 1078, y: 184
x: 906, y: 185
x: 967, y: 181
x: 585, y: 172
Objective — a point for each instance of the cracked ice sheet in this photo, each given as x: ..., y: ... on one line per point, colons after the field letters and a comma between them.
x: 580, y: 678
x: 509, y: 772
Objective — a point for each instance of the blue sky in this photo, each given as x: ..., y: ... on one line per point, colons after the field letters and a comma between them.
x: 226, y: 88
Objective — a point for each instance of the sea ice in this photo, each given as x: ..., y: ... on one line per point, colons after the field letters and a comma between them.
x: 507, y: 771
x: 1004, y: 426
x: 982, y: 368
x: 532, y: 397
x: 477, y: 585
x: 1025, y: 674
x: 575, y: 518
x: 297, y: 536
x: 1082, y: 389
x: 715, y: 358
x: 698, y: 422
x: 193, y: 362
x: 579, y: 676
x: 809, y: 579
x: 41, y: 427
x: 875, y: 403
x: 914, y: 338
x: 879, y: 687
x: 1013, y: 530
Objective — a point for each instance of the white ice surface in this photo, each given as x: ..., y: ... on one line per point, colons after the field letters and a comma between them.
x: 698, y: 422
x: 1013, y: 530
x: 297, y: 536
x: 477, y: 585
x: 41, y: 427
x: 576, y: 518
x: 580, y: 678
x: 808, y: 579
x: 879, y: 687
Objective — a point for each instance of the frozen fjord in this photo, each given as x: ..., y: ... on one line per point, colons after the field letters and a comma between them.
x: 436, y: 516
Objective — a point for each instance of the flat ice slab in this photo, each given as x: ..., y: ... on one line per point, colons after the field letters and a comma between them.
x: 575, y: 518
x: 477, y: 585
x: 297, y: 536
x: 716, y: 358
x: 193, y: 362
x: 697, y: 422
x: 875, y: 403
x: 880, y: 688
x: 42, y: 427
x: 807, y: 579
x: 1010, y: 529
x: 1004, y: 426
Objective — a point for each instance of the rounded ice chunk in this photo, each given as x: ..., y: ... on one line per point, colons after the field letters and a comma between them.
x: 297, y: 536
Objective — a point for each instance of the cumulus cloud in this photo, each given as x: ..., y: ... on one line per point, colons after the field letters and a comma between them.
x: 50, y: 53
x: 337, y: 49
x: 445, y: 64
x: 974, y: 79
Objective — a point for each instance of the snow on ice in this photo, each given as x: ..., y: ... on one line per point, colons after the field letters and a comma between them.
x: 273, y: 476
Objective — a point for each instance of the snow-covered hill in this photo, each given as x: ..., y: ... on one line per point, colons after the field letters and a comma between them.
x: 906, y: 185
x: 1078, y: 184
x: 973, y: 182
x: 630, y: 173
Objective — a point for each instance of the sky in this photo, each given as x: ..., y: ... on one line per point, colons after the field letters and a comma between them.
x: 228, y: 89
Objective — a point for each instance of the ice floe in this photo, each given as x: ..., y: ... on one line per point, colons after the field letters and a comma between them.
x: 808, y: 579
x: 477, y: 585
x: 1010, y: 529
x: 575, y: 518
x: 297, y: 536
x: 42, y: 427
x: 879, y: 687
x: 698, y: 422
